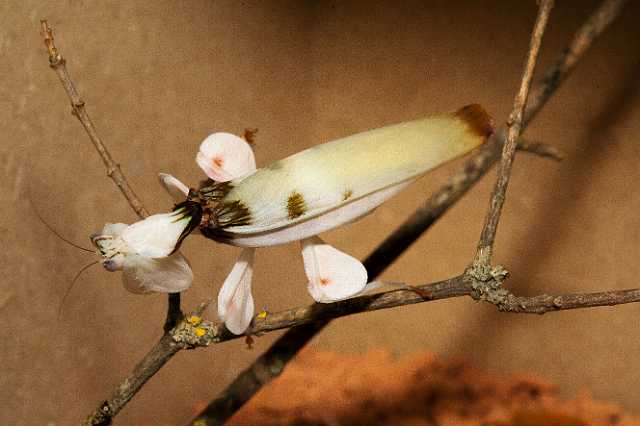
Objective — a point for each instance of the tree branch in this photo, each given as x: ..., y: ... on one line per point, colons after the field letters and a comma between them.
x: 461, y: 285
x: 301, y: 321
x: 162, y: 352
x: 515, y: 125
x: 540, y: 149
x: 58, y: 64
x: 271, y: 364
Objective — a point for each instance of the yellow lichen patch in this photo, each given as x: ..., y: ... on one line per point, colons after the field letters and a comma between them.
x: 296, y: 205
x: 199, y: 331
x: 200, y: 423
x: 194, y: 320
x: 262, y: 315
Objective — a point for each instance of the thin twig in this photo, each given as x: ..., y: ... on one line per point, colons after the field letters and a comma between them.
x: 162, y: 352
x: 395, y: 244
x: 515, y: 125
x: 58, y: 63
x: 540, y: 149
x: 565, y: 63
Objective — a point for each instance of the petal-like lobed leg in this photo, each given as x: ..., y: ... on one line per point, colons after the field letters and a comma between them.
x: 333, y: 275
x: 224, y: 157
x: 176, y: 189
x: 235, y: 302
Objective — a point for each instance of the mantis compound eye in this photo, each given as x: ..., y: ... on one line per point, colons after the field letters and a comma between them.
x: 114, y: 263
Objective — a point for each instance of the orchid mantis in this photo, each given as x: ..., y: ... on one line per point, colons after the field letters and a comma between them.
x: 146, y: 251
x: 293, y: 199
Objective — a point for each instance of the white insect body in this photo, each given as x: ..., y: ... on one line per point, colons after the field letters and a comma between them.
x: 339, y: 181
x: 313, y: 191
x: 293, y: 199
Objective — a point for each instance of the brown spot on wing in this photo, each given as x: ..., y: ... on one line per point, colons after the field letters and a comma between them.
x: 347, y: 194
x: 478, y: 120
x: 296, y: 205
x: 325, y: 281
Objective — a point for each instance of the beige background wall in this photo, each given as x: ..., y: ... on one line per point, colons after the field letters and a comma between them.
x: 159, y: 76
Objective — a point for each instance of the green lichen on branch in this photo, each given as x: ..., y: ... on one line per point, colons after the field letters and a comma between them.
x: 194, y: 332
x: 486, y: 284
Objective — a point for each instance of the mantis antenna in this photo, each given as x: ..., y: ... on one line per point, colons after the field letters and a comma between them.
x: 75, y: 278
x: 50, y: 228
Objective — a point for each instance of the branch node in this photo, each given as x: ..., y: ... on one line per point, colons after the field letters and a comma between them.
x: 194, y: 332
x: 113, y: 169
x: 540, y: 149
x: 102, y: 417
x: 55, y: 59
x: 486, y: 283
x: 557, y: 302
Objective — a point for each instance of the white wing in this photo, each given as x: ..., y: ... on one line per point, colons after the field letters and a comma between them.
x: 344, y: 214
x: 166, y: 275
x: 331, y: 175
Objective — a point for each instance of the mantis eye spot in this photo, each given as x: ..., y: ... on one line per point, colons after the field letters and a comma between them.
x: 109, y: 265
x: 218, y: 161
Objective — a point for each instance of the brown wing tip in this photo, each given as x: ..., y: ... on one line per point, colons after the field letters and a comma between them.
x: 478, y: 120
